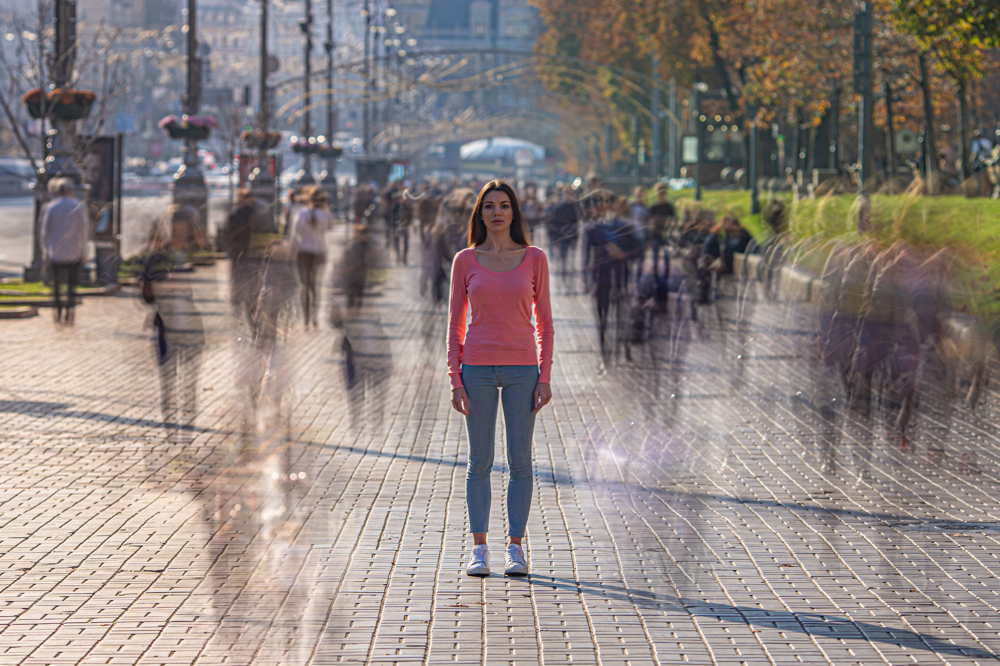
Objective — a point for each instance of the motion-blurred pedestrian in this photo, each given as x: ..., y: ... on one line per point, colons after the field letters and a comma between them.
x: 179, y: 333
x: 308, y: 238
x: 564, y: 231
x: 245, y: 236
x: 660, y: 219
x: 358, y: 260
x: 64, y: 236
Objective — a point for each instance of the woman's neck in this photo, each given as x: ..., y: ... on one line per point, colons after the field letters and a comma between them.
x: 497, y: 241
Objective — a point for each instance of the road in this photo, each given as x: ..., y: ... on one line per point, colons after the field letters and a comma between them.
x: 138, y: 215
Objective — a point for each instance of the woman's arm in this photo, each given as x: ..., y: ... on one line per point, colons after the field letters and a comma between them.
x: 458, y: 307
x: 543, y: 319
x: 545, y: 332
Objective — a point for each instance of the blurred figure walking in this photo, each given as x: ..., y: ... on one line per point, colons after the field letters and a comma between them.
x: 180, y: 335
x: 308, y: 239
x: 244, y: 239
x: 564, y: 230
x: 64, y: 232
x: 359, y: 257
x: 660, y: 220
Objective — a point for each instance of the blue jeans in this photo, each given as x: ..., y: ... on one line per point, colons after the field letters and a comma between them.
x: 483, y: 383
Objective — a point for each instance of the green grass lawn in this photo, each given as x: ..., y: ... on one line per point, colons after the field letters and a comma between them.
x: 968, y: 228
x: 17, y: 290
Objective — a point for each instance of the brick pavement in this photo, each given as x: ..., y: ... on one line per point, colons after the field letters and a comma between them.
x: 681, y: 513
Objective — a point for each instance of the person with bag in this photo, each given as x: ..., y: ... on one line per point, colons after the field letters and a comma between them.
x: 501, y: 356
x: 176, y: 321
x: 308, y: 240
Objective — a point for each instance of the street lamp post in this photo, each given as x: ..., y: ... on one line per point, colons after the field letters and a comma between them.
x: 62, y: 137
x: 863, y: 84
x: 305, y: 173
x: 752, y: 161
x: 189, y: 181
x: 261, y: 179
x: 699, y: 88
x: 330, y: 180
x: 366, y: 109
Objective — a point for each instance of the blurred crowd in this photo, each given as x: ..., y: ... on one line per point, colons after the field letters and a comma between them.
x: 879, y: 343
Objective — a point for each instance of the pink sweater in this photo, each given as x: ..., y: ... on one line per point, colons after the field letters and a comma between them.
x: 501, y: 332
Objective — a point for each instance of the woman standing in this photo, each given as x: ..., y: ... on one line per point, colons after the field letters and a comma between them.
x: 311, y: 225
x: 504, y: 281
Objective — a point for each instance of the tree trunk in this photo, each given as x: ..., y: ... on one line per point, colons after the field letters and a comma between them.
x: 717, y: 60
x: 963, y: 127
x: 890, y: 138
x: 931, y: 173
x: 834, y: 156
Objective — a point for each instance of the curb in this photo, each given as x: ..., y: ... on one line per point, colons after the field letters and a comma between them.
x: 20, y: 312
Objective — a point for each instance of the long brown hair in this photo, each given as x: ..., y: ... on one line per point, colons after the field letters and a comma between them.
x: 477, y: 227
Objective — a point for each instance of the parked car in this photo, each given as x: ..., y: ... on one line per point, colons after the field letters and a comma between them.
x: 17, y: 178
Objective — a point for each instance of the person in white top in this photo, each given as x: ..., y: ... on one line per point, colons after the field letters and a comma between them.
x: 308, y: 238
x: 65, y: 233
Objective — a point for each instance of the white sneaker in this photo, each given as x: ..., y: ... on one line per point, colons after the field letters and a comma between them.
x: 479, y: 561
x: 515, y: 564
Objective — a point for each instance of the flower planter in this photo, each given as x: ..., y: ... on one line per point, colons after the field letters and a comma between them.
x: 61, y: 104
x: 77, y: 110
x: 35, y: 109
x: 261, y: 140
x: 190, y: 132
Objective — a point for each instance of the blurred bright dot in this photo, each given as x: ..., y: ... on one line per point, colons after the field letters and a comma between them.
x: 30, y: 36
x: 9, y: 36
x: 275, y: 475
x: 237, y: 507
x: 702, y: 118
x: 293, y: 476
x: 718, y: 119
x: 302, y: 475
x: 711, y: 128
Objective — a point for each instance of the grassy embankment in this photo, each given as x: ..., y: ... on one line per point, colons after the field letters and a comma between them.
x: 968, y: 228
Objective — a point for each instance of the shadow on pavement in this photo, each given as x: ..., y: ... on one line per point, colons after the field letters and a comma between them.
x: 810, y: 624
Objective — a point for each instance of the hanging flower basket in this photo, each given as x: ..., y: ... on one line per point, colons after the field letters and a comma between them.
x: 68, y: 104
x: 330, y: 152
x: 304, y: 149
x: 315, y: 145
x: 198, y: 128
x: 261, y: 139
x: 33, y: 100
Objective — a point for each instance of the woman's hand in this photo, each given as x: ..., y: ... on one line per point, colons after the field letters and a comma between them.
x: 543, y: 394
x: 460, y: 400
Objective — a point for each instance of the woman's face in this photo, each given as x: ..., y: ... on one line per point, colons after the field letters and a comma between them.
x: 498, y: 214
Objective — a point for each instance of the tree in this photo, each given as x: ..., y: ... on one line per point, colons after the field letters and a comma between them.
x: 98, y: 65
x: 957, y: 32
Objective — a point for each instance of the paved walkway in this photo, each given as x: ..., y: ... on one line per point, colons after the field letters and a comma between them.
x: 681, y: 513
